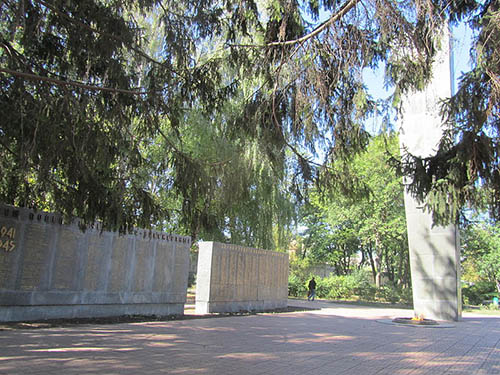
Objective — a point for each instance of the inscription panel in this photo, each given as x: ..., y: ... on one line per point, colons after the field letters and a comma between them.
x: 181, y: 269
x: 66, y: 258
x: 163, y: 264
x: 241, y: 278
x: 95, y: 261
x: 143, y: 272
x: 45, y: 264
x: 119, y: 264
x: 36, y: 252
x: 6, y: 265
x: 9, y: 230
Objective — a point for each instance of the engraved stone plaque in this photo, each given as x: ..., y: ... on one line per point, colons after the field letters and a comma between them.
x: 163, y: 263
x: 36, y: 252
x: 95, y: 261
x: 66, y: 257
x: 143, y: 271
x: 6, y: 266
x: 119, y: 265
x: 9, y: 248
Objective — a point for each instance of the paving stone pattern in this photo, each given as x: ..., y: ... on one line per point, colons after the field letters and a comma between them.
x: 335, y: 339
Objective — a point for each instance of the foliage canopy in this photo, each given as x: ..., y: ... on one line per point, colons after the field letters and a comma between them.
x: 99, y: 96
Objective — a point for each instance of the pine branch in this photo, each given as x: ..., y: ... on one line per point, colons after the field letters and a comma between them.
x: 58, y: 82
x: 344, y: 9
x: 81, y: 24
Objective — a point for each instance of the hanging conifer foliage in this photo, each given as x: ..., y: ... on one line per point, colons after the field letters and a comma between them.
x: 86, y: 87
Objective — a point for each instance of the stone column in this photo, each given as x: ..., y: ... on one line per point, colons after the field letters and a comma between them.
x: 434, y: 250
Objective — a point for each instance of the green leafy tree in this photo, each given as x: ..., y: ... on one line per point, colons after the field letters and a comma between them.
x: 383, y: 228
x: 481, y: 253
x: 85, y: 85
x: 118, y: 111
x: 328, y: 239
x: 234, y: 193
x: 79, y: 96
x: 373, y: 225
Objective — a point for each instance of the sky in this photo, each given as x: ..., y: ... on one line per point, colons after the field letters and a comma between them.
x: 461, y: 63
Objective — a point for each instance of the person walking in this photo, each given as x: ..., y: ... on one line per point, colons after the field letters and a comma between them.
x: 312, y: 290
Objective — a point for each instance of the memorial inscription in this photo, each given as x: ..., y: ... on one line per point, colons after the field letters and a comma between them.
x: 36, y: 251
x: 66, y: 259
x: 50, y: 269
x: 7, y: 238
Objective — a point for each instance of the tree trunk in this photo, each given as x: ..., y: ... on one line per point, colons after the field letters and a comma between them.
x: 373, y: 266
x: 378, y: 263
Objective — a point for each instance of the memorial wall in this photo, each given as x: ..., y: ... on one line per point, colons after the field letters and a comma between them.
x: 234, y: 278
x: 53, y: 270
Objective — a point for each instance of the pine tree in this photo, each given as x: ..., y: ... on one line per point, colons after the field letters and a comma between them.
x: 86, y: 86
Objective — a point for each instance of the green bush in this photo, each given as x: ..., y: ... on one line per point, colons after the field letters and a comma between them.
x: 356, y: 286
x: 477, y: 293
x: 342, y: 287
x: 297, y: 286
x: 367, y: 292
x: 406, y: 296
x: 298, y: 277
x: 391, y: 294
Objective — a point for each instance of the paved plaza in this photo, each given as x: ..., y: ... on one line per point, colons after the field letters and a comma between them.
x: 334, y: 339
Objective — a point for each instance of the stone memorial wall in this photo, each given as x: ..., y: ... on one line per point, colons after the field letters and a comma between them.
x: 234, y: 278
x: 52, y: 270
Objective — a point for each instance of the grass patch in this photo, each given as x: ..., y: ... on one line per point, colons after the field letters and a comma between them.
x: 486, y: 310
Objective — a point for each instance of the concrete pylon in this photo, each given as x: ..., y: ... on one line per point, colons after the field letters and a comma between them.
x: 434, y: 250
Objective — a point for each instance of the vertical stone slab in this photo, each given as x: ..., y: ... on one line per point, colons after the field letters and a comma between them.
x: 163, y: 268
x: 11, y: 236
x: 97, y: 262
x: 205, y: 279
x: 143, y: 271
x: 120, y: 264
x: 233, y: 278
x: 240, y: 276
x: 66, y: 264
x: 253, y: 279
x: 181, y: 269
x: 434, y: 250
x: 36, y: 255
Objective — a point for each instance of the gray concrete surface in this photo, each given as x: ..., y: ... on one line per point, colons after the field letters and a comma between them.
x: 233, y: 278
x: 335, y: 339
x: 434, y: 250
x: 53, y: 270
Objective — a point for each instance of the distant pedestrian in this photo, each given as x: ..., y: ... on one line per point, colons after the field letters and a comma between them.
x: 312, y: 290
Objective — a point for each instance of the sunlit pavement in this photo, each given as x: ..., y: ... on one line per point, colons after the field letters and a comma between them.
x: 335, y: 339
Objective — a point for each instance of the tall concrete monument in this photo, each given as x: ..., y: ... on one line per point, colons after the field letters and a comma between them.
x: 434, y: 250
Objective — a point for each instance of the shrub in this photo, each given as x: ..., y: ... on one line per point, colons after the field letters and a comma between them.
x: 342, y: 287
x: 296, y: 285
x: 298, y: 277
x: 388, y: 294
x: 406, y: 296
x: 476, y: 293
x: 356, y: 285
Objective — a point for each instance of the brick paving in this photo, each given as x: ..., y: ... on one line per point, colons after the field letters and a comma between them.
x: 335, y: 339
